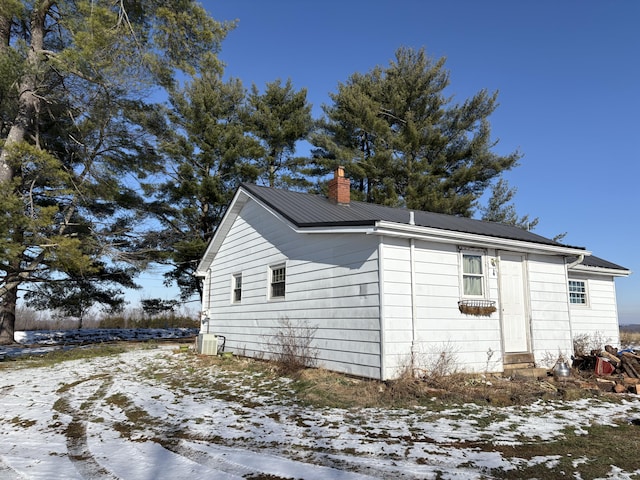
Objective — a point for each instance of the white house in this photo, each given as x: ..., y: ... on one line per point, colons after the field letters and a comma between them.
x: 384, y: 285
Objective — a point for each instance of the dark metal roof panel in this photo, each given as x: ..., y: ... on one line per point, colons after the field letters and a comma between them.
x: 306, y: 210
x: 593, y: 261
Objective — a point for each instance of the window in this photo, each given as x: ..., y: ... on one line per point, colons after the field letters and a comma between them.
x: 472, y: 275
x: 578, y: 292
x: 278, y: 277
x: 237, y: 288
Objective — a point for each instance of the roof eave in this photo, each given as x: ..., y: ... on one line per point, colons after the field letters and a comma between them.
x: 615, y: 272
x: 239, y: 200
x: 472, y: 239
x: 332, y: 226
x: 242, y: 196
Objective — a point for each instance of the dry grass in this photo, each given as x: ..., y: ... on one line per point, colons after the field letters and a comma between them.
x: 439, y: 385
x: 588, y: 456
x: 58, y: 356
x: 323, y: 388
x: 629, y: 339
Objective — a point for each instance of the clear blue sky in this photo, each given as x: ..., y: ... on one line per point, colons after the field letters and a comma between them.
x: 567, y: 73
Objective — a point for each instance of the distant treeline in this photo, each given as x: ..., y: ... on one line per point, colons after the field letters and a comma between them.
x: 632, y: 328
x: 28, y: 319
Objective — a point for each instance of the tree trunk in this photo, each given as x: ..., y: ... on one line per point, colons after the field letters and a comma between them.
x: 6, y: 172
x: 26, y: 117
x: 29, y: 101
x: 272, y: 174
x: 8, y: 316
x: 5, y: 33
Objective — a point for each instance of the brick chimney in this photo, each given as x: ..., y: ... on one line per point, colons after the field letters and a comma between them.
x: 339, y: 188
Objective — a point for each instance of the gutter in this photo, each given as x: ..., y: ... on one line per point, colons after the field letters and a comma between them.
x: 602, y: 271
x: 472, y: 239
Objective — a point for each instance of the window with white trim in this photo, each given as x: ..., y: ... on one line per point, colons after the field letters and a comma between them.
x: 578, y: 292
x: 236, y: 296
x: 472, y: 275
x: 277, y: 281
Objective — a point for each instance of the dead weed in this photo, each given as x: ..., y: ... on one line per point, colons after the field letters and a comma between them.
x: 324, y: 388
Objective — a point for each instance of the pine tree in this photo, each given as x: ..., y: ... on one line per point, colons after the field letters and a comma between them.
x: 279, y: 118
x: 74, y: 134
x: 403, y: 142
x: 220, y: 136
x: 208, y: 152
x: 499, y: 209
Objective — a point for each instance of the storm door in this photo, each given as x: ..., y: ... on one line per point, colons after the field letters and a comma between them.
x: 513, y: 304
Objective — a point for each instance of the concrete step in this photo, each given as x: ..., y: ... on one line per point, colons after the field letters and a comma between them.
x: 519, y: 365
x: 524, y: 357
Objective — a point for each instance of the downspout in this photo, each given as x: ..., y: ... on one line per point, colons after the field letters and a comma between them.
x: 578, y: 261
x: 414, y: 326
x: 412, y: 273
x: 381, y: 308
x: 206, y: 299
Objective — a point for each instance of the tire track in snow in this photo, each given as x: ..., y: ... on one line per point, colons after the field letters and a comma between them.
x: 8, y: 473
x: 209, y: 460
x: 76, y: 433
x: 4, y: 391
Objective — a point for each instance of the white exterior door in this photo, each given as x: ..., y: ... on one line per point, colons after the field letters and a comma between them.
x: 513, y: 309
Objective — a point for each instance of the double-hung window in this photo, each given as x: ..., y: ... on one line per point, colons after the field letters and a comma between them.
x: 278, y: 277
x: 578, y: 292
x: 237, y: 288
x: 472, y: 275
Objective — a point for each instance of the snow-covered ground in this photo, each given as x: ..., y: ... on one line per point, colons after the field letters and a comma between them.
x: 155, y: 413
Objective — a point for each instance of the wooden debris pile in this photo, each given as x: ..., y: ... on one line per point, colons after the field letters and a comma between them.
x: 616, y: 371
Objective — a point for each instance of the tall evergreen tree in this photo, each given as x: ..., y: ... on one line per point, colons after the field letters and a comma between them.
x: 403, y: 142
x: 209, y: 152
x: 279, y: 118
x: 357, y: 135
x: 75, y: 134
x: 220, y: 136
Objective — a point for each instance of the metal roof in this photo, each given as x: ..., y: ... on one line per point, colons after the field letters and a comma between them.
x: 307, y: 210
x: 593, y: 261
x: 304, y: 210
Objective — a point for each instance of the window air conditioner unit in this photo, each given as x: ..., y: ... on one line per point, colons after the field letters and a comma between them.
x: 207, y: 344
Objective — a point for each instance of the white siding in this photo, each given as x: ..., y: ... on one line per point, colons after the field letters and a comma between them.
x: 331, y: 283
x: 471, y: 343
x: 598, y: 319
x: 550, y: 326
x: 396, y: 310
